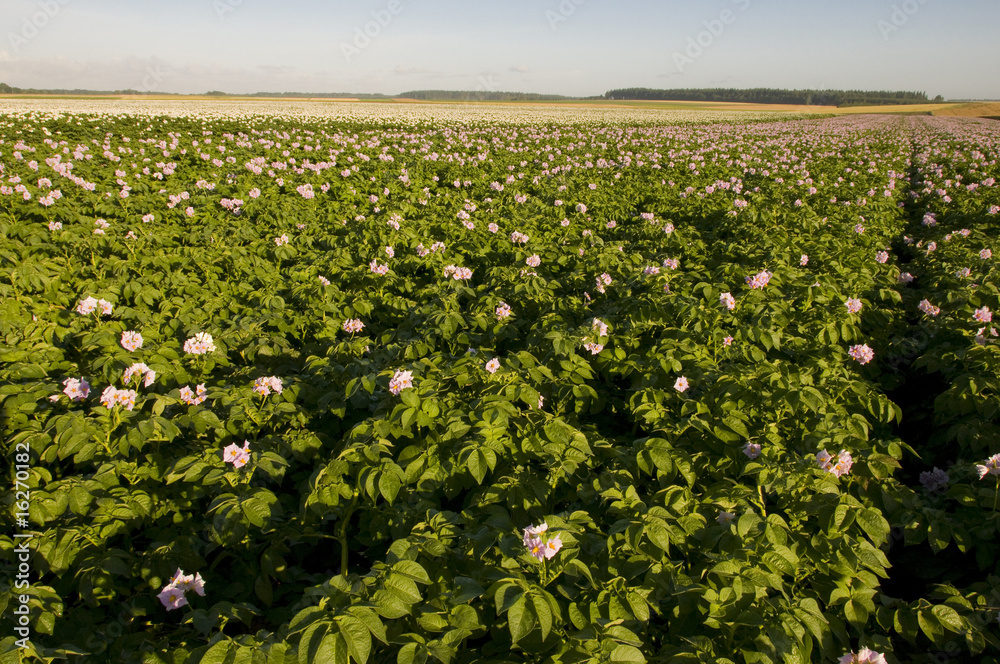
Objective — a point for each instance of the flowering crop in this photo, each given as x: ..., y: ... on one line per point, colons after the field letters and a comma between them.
x: 131, y: 341
x: 674, y: 462
x: 200, y: 344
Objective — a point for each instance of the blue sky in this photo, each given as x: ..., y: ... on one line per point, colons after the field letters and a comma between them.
x: 571, y: 47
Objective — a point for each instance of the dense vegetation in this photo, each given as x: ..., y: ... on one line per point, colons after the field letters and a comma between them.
x: 288, y: 392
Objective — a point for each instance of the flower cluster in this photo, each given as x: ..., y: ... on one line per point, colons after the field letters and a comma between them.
x: 264, y: 385
x: 928, y: 308
x: 518, y: 238
x: 138, y: 370
x: 881, y: 256
x: 112, y: 397
x: 89, y: 305
x: 906, y: 278
x: 353, y: 325
x: 983, y: 315
x: 864, y: 656
x: 728, y: 301
x: 989, y: 467
x: 77, y: 389
x: 378, y: 269
x: 172, y: 596
x: 541, y: 548
x: 281, y: 240
x: 131, y: 341
x: 400, y: 381
x: 200, y: 344
x: 981, y: 335
x: 602, y: 281
x: 236, y: 455
x: 503, y: 311
x: 853, y: 305
x: 533, y: 260
x: 862, y: 353
x: 671, y: 263
x: 934, y: 480
x: 193, y: 398
x: 835, y: 465
x: 804, y: 260
x: 759, y: 280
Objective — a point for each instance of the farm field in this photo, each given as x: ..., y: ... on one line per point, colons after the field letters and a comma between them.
x: 295, y: 382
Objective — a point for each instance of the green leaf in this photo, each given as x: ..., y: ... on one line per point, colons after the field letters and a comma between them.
x: 370, y: 620
x: 625, y: 653
x: 218, y: 653
x: 931, y: 626
x: 948, y: 617
x: 357, y: 637
x: 874, y: 525
x: 520, y: 620
x: 412, y: 653
x: 543, y: 613
x: 856, y: 613
x: 256, y: 511
x: 656, y: 531
x: 389, y: 485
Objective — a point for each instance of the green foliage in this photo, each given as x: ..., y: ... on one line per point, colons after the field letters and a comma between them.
x: 390, y: 475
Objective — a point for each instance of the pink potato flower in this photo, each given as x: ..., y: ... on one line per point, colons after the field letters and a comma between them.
x: 238, y: 456
x: 989, y: 467
x: 265, y: 385
x: 353, y: 325
x: 173, y: 594
x: 759, y: 280
x: 194, y: 397
x: 837, y: 466
x: 540, y: 546
x: 864, y: 656
x: 200, y: 344
x: 928, y: 308
x: 681, y: 384
x: 131, y: 341
x: 862, y: 353
x: 400, y: 381
x: 77, y: 389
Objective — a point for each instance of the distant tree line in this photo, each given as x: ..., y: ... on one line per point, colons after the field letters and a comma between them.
x: 10, y: 90
x: 475, y: 95
x: 753, y: 95
x: 776, y: 96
